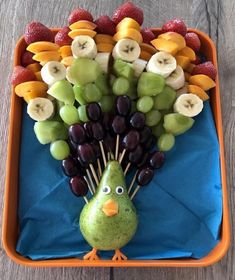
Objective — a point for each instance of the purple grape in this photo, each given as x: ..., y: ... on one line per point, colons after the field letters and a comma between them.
x: 157, y: 159
x: 123, y: 105
x: 119, y: 124
x: 88, y: 129
x: 84, y: 165
x: 97, y: 131
x: 131, y: 140
x: 145, y: 176
x: 145, y: 134
x: 73, y: 147
x: 143, y: 160
x: 77, y: 133
x: 96, y: 148
x: 137, y: 120
x: 94, y: 112
x: 107, y: 121
x: 86, y: 153
x: 78, y: 186
x: 70, y: 167
x: 136, y: 155
x: 150, y: 143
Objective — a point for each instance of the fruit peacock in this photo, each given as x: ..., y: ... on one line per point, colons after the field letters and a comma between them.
x: 110, y: 97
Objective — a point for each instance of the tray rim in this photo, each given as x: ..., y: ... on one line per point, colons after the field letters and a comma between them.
x: 214, y: 256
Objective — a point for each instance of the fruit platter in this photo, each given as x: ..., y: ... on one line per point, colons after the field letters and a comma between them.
x: 115, y: 154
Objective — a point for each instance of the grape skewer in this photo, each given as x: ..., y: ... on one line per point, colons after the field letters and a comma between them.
x: 119, y: 127
x: 130, y: 142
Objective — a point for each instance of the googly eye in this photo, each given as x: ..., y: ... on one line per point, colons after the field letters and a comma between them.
x: 119, y: 190
x: 106, y: 189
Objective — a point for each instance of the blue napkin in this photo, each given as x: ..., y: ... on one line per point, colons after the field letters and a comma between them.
x: 179, y: 212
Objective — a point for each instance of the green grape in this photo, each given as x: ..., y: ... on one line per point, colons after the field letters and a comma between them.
x: 145, y: 104
x: 166, y: 142
x: 153, y: 117
x: 158, y: 129
x: 165, y: 100
x: 150, y: 84
x: 102, y: 83
x: 123, y: 69
x: 82, y: 113
x: 92, y: 93
x: 177, y: 124
x: 69, y: 114
x: 59, y: 149
x: 79, y: 93
x: 121, y: 86
x: 106, y: 103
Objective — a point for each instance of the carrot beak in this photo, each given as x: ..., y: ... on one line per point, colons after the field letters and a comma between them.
x: 110, y: 208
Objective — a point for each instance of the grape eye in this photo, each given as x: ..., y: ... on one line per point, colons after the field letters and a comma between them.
x: 119, y: 190
x: 106, y: 189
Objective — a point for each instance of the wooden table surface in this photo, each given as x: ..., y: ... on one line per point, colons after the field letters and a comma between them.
x: 213, y: 17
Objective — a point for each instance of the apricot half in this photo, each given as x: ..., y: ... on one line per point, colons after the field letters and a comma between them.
x: 83, y: 24
x: 32, y: 86
x: 76, y: 32
x: 129, y: 33
x: 198, y: 91
x: 175, y: 37
x: 202, y: 81
x: 165, y: 45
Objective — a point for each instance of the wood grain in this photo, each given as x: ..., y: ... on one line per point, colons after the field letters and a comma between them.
x: 213, y: 17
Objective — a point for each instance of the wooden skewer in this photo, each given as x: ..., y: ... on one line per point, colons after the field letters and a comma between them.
x: 91, y: 181
x: 99, y: 168
x: 102, y: 152
x: 135, y: 191
x: 94, y: 174
x: 132, y: 182
x: 117, y: 146
x: 86, y: 200
x: 108, y: 156
x: 122, y: 156
x: 88, y: 184
x: 127, y: 168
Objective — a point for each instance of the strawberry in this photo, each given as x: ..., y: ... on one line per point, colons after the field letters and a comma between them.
x: 147, y: 35
x: 193, y: 41
x: 105, y: 25
x: 27, y: 58
x: 62, y: 38
x: 21, y: 75
x: 79, y: 14
x: 36, y: 31
x: 128, y: 10
x: 206, y: 68
x: 175, y: 25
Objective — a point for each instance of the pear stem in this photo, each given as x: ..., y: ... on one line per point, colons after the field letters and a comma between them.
x: 99, y: 168
x: 94, y: 174
x: 122, y: 156
x: 102, y: 152
x: 88, y: 184
x: 135, y: 191
x: 90, y: 178
x: 127, y: 168
x: 117, y: 146
x: 86, y: 200
x: 132, y: 182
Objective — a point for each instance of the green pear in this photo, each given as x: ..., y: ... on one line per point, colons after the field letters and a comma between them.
x: 62, y: 91
x: 165, y: 99
x: 150, y: 84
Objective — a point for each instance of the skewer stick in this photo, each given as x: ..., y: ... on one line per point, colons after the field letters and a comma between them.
x: 88, y: 184
x: 90, y: 178
x: 85, y: 198
x: 99, y: 168
x: 132, y: 182
x: 122, y: 156
x: 94, y: 174
x: 135, y: 191
x: 127, y: 168
x: 102, y: 152
x: 117, y: 146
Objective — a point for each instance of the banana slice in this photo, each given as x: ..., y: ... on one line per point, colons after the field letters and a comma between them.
x: 103, y: 60
x: 53, y: 71
x: 40, y: 109
x: 188, y: 104
x: 68, y: 76
x: 84, y: 46
x: 139, y: 66
x: 162, y: 63
x: 126, y: 49
x: 176, y: 79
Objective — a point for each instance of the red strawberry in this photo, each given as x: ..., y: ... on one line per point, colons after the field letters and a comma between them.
x: 193, y: 41
x: 105, y: 25
x: 128, y: 10
x: 175, y: 25
x: 79, y: 14
x: 147, y: 35
x: 27, y: 58
x: 36, y: 31
x: 206, y: 68
x: 62, y: 38
x: 21, y: 75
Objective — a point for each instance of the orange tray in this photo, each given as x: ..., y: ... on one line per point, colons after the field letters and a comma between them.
x: 10, y: 218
